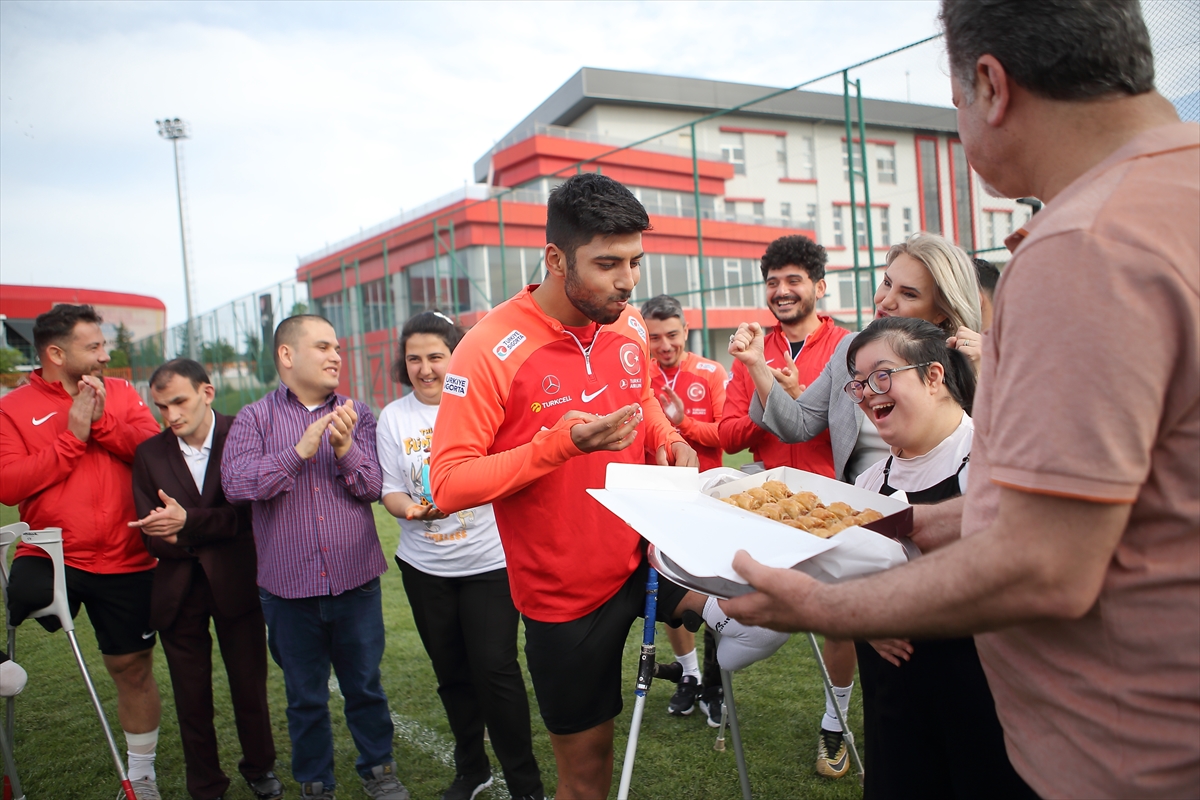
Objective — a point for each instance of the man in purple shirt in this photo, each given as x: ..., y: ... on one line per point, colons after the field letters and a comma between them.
x: 305, y: 457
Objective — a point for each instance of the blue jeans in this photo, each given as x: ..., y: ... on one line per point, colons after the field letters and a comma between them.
x: 305, y: 637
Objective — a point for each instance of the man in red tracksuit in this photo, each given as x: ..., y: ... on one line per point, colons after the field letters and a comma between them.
x: 67, y: 441
x: 797, y: 349
x: 691, y: 389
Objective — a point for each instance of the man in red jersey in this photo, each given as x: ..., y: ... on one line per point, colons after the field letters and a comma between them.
x: 797, y: 349
x: 67, y: 442
x: 691, y: 389
x: 545, y: 392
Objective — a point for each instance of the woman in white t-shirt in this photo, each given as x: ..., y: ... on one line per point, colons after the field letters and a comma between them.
x: 930, y: 722
x: 455, y: 578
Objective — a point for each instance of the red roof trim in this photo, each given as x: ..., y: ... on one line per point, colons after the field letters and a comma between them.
x: 745, y: 200
x: 859, y: 204
x: 66, y: 294
x: 886, y: 142
x: 797, y: 180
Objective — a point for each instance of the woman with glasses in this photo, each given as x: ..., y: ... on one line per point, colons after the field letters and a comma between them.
x: 927, y: 278
x: 930, y: 722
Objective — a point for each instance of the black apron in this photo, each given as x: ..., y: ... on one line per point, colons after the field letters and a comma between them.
x: 930, y: 725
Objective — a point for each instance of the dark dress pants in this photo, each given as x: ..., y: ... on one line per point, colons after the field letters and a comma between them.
x: 188, y: 647
x: 469, y: 628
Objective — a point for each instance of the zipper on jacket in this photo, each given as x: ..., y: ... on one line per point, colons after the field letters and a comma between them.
x: 587, y: 351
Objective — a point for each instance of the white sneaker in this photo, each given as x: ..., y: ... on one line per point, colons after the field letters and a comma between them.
x: 143, y: 789
x: 12, y: 679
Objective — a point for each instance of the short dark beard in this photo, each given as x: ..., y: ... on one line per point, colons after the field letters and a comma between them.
x: 803, y: 309
x: 584, y: 303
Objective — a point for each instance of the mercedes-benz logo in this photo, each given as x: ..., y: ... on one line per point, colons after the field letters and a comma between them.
x: 550, y: 384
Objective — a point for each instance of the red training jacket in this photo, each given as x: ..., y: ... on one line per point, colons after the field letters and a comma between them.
x: 700, y: 384
x: 510, y: 382
x: 739, y: 432
x: 84, y: 488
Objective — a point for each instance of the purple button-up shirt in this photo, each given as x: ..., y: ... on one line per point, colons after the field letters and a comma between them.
x: 313, y: 525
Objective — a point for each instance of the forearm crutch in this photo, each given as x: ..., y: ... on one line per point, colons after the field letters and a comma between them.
x: 647, y: 672
x: 50, y: 541
x: 837, y: 709
x: 729, y: 716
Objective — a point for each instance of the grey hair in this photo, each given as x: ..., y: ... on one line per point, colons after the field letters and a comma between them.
x: 1058, y: 49
x: 954, y: 275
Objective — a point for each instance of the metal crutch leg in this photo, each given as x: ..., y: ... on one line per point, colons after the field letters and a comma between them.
x: 837, y: 709
x: 50, y: 540
x: 735, y: 730
x: 9, y: 534
x: 645, y: 676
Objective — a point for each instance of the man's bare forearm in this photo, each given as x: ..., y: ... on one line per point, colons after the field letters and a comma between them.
x: 1043, y: 558
x: 938, y: 525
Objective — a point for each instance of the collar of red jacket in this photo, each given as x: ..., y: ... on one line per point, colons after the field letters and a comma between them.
x: 36, y: 379
x: 827, y: 325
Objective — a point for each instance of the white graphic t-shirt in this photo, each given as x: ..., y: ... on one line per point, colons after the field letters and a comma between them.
x: 465, y: 543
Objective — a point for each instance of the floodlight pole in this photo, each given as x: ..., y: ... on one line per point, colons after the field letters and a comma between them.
x: 174, y: 130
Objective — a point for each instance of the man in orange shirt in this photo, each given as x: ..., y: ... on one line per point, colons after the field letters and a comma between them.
x: 691, y: 389
x: 546, y: 391
x: 1073, y: 557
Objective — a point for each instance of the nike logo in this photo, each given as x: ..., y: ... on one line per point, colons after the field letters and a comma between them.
x: 148, y: 635
x: 770, y: 361
x: 43, y: 419
x: 587, y: 398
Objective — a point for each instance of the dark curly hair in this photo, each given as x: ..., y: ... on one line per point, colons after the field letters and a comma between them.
x: 431, y: 322
x: 588, y: 205
x: 800, y: 251
x: 58, y: 324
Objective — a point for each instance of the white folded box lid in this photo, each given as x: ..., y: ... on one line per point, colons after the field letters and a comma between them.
x: 701, y: 534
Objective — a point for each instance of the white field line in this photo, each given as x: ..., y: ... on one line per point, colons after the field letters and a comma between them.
x: 431, y: 743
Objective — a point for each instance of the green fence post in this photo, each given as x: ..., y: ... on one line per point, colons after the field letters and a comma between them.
x: 437, y: 272
x: 699, y: 247
x: 862, y: 143
x: 853, y: 209
x: 389, y: 320
x: 453, y: 273
x: 503, y: 264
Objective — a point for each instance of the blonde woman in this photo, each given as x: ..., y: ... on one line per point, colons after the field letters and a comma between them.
x: 927, y: 278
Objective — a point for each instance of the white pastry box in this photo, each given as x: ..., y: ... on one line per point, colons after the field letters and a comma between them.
x: 694, y: 536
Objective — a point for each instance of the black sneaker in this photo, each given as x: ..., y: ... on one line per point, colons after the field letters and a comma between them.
x: 711, y: 700
x: 683, y: 702
x: 465, y: 787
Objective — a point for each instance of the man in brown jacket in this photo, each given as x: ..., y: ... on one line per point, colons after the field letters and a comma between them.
x: 206, y: 569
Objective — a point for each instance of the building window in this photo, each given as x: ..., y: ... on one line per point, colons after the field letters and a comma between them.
x: 908, y: 229
x: 885, y: 162
x: 845, y: 157
x: 839, y: 238
x: 808, y: 158
x: 733, y: 149
x: 810, y: 221
x: 998, y: 226
x: 960, y: 184
x: 781, y: 155
x: 885, y: 226
x: 374, y: 306
x: 929, y: 183
x: 860, y: 229
x: 785, y: 213
x: 760, y: 212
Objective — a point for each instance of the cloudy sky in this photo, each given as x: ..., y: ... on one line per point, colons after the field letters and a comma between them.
x: 310, y: 120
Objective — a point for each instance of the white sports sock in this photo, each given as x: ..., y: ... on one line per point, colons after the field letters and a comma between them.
x: 740, y: 645
x: 690, y: 664
x: 141, y: 748
x: 830, y: 722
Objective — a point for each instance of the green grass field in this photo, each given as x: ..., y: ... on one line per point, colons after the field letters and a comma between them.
x: 61, y: 753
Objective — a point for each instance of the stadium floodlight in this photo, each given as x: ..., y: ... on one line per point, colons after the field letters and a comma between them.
x: 173, y: 130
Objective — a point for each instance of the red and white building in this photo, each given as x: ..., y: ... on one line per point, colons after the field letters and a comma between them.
x: 775, y: 168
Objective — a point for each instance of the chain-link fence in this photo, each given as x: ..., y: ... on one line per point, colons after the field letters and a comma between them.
x: 369, y: 284
x: 1175, y: 36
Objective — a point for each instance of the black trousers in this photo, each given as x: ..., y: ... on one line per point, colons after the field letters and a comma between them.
x: 930, y: 727
x: 469, y: 628
x: 188, y: 647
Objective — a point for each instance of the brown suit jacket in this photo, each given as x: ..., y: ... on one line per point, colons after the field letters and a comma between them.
x: 217, y: 534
